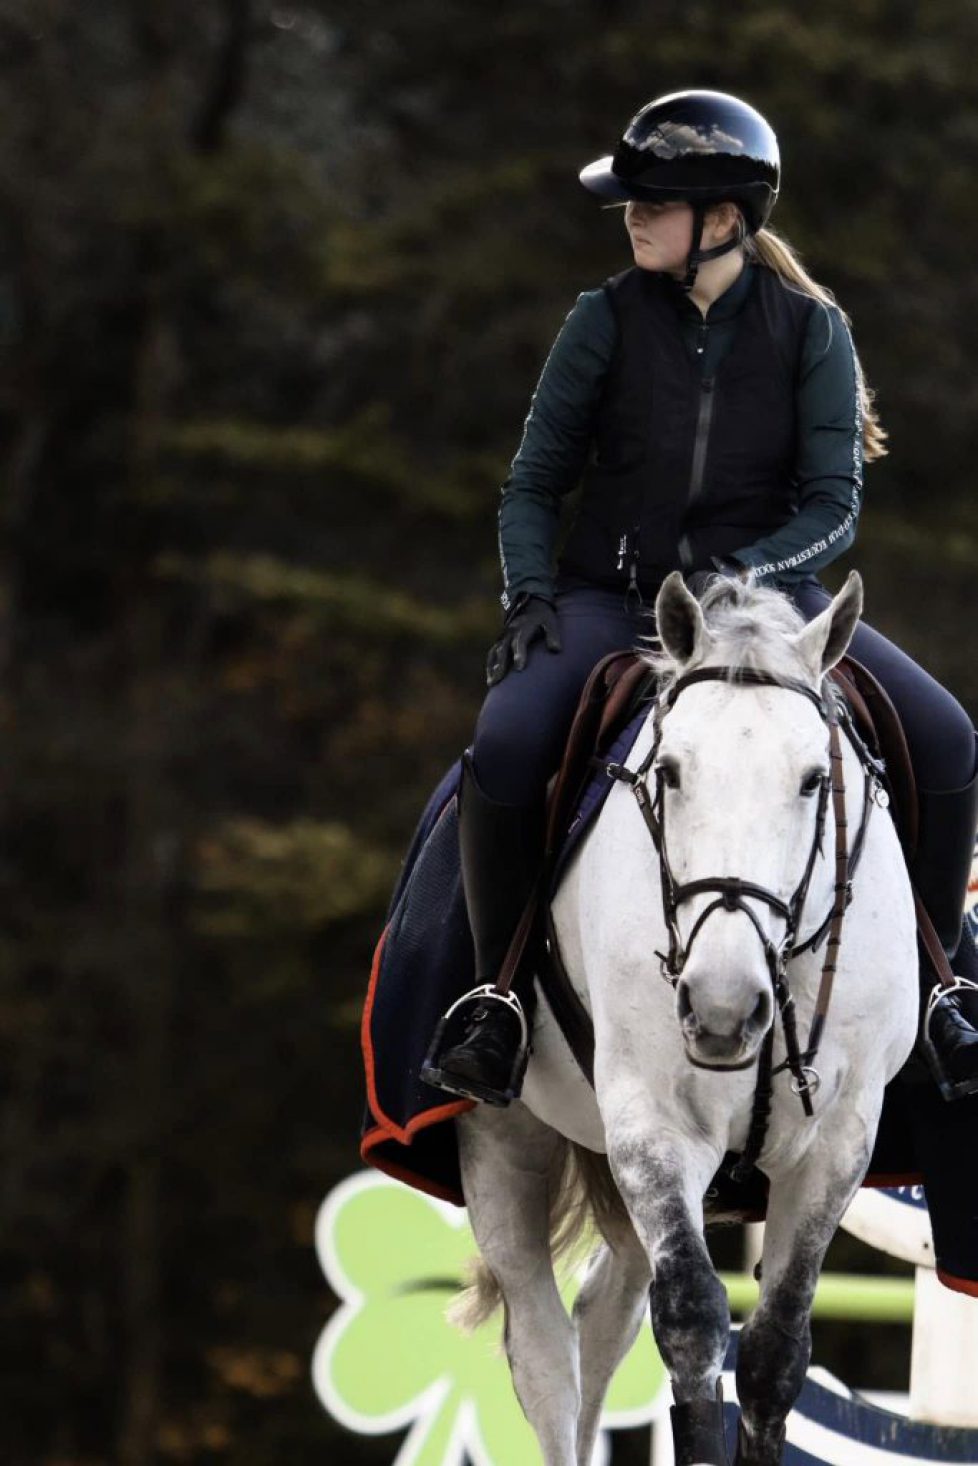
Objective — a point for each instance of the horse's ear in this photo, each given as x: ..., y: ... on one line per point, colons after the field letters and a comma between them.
x: 679, y: 620
x: 825, y: 640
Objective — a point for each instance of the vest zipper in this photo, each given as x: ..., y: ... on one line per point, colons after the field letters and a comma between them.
x: 624, y: 542
x: 700, y: 444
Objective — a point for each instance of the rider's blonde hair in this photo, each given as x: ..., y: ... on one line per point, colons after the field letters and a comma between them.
x: 770, y: 249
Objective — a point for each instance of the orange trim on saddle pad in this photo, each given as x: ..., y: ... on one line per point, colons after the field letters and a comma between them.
x: 957, y: 1285
x: 387, y: 1128
x: 373, y: 1157
x: 880, y: 1180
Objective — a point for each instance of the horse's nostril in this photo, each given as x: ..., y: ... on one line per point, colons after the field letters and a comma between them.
x: 761, y: 1013
x: 683, y: 1005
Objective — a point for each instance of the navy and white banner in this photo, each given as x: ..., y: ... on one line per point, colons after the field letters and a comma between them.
x: 832, y: 1426
x: 894, y: 1220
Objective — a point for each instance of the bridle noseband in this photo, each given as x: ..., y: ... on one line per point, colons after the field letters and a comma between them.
x: 733, y: 893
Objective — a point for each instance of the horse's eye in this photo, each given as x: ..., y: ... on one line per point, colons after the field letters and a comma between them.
x: 812, y: 783
x: 668, y: 771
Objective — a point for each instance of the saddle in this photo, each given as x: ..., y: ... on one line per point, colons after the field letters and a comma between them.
x: 621, y: 682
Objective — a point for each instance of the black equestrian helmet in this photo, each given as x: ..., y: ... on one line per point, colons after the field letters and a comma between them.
x: 704, y: 147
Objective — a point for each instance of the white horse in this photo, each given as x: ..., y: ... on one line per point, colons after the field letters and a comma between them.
x: 739, y: 769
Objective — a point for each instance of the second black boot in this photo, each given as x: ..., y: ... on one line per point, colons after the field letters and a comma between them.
x: 481, y: 1046
x: 940, y: 871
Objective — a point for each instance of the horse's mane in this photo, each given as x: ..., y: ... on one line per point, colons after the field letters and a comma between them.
x: 750, y: 629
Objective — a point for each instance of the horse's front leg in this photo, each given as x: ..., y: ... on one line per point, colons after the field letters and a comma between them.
x: 662, y: 1179
x: 807, y: 1203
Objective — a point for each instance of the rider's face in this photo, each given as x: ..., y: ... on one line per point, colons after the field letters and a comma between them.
x: 660, y: 234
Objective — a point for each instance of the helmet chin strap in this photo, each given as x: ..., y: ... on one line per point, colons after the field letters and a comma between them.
x: 697, y: 256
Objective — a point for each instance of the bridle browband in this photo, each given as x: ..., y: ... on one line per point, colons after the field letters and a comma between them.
x: 733, y: 893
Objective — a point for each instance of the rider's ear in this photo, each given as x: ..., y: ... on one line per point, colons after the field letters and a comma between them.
x: 679, y: 620
x: 825, y: 640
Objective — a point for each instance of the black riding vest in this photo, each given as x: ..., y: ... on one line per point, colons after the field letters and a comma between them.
x: 686, y: 467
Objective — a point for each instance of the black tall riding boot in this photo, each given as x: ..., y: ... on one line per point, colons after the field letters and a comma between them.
x: 481, y: 1046
x: 940, y: 872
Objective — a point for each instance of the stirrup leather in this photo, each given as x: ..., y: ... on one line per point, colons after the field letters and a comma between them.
x: 950, y: 1089
x: 449, y: 1032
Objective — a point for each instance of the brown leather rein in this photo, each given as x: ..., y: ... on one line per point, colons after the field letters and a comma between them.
x: 733, y: 893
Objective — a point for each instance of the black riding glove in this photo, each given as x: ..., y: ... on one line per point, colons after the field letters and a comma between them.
x: 699, y: 580
x: 528, y: 617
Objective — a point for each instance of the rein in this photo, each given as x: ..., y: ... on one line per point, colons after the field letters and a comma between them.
x: 732, y: 892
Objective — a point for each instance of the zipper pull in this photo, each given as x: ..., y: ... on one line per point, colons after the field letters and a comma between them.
x: 633, y: 590
x: 622, y: 551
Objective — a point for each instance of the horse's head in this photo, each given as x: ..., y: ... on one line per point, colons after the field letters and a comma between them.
x: 741, y: 772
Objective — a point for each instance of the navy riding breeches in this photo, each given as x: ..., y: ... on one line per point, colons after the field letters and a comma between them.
x: 525, y: 719
x: 940, y: 734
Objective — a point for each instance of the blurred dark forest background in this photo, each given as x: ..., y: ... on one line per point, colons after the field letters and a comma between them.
x: 276, y: 280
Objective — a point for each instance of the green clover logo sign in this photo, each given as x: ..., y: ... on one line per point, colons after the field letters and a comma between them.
x: 388, y: 1359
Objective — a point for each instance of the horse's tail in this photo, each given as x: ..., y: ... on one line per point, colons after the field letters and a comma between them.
x: 478, y: 1300
x: 583, y: 1196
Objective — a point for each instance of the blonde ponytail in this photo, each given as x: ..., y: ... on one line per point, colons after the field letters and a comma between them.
x: 769, y: 249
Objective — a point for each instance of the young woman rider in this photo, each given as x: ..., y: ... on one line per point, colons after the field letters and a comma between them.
x: 712, y: 398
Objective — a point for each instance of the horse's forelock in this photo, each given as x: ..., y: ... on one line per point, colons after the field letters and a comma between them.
x: 750, y: 629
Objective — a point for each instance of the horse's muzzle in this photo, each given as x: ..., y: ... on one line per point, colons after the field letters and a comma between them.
x: 735, y: 1046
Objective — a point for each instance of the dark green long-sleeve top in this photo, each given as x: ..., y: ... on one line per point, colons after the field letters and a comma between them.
x: 557, y: 439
